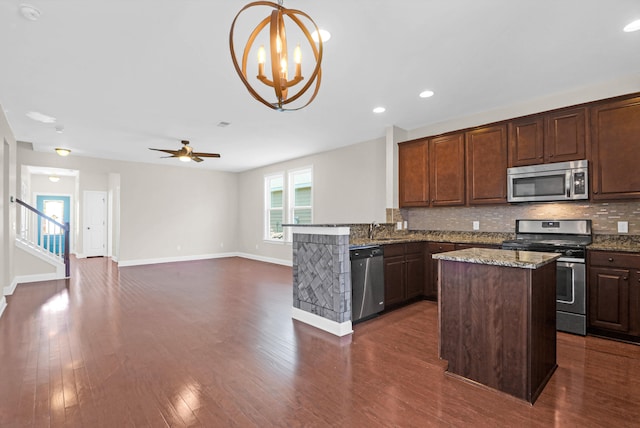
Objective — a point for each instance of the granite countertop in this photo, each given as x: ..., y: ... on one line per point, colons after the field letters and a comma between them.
x: 508, y: 258
x: 493, y: 238
x: 623, y: 243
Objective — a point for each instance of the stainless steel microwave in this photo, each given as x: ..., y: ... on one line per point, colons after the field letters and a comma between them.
x: 561, y: 181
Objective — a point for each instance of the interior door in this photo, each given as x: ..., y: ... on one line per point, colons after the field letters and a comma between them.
x: 94, y: 220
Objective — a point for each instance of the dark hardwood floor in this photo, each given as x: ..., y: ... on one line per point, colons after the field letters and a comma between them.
x: 212, y: 343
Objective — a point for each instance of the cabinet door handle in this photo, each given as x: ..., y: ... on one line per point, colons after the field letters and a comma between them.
x: 610, y: 259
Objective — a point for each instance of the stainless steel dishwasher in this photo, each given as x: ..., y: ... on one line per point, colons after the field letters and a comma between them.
x: 367, y: 282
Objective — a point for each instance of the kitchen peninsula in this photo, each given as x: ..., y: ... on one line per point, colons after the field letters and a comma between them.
x: 322, y: 277
x: 497, y: 313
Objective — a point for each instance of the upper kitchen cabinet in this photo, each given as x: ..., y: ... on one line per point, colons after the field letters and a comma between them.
x: 413, y: 173
x: 526, y: 141
x: 615, y: 149
x: 486, y: 157
x: 446, y: 170
x: 565, y: 135
x: 557, y: 136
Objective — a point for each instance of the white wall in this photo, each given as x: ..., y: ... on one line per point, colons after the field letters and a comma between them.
x: 349, y: 186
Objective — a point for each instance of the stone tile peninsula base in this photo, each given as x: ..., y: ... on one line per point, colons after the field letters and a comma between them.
x: 322, y: 278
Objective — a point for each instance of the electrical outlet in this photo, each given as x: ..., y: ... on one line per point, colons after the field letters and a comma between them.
x: 623, y: 227
x: 399, y: 225
x: 476, y: 225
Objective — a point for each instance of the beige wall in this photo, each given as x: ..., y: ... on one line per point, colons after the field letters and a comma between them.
x: 348, y: 187
x: 594, y: 92
x: 7, y: 208
x: 161, y: 207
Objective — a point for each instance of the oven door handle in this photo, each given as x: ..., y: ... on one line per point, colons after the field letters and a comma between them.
x: 570, y: 260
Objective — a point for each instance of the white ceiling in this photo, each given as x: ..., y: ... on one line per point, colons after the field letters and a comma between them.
x: 124, y: 75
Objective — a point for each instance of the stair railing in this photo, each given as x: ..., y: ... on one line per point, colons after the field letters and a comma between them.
x: 45, y: 233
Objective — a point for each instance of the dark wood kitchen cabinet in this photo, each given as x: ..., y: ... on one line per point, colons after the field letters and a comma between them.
x: 614, y: 294
x: 431, y: 171
x: 446, y: 170
x: 557, y: 136
x: 413, y: 173
x: 431, y: 277
x: 486, y: 161
x: 615, y: 149
x: 403, y: 272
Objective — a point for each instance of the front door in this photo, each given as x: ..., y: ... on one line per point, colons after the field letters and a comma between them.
x: 56, y: 207
x: 94, y: 221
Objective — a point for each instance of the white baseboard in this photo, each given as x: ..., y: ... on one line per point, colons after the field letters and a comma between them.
x: 138, y: 262
x: 265, y: 259
x: 3, y: 305
x: 9, y: 289
x: 333, y: 327
x: 23, y: 279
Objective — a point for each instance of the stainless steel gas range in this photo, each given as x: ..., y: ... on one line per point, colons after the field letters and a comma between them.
x: 569, y: 238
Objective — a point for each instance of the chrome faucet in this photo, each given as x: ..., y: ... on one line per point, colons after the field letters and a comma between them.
x: 372, y: 227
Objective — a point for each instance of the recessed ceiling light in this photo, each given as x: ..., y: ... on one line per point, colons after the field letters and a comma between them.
x: 54, y: 178
x: 39, y: 117
x: 633, y: 26
x: 426, y: 94
x: 379, y: 110
x: 62, y: 152
x: 324, y: 35
x: 29, y: 12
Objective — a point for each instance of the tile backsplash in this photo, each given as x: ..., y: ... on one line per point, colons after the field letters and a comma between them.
x: 501, y: 218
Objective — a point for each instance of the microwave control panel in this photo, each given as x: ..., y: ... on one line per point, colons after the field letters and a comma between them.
x: 579, y: 183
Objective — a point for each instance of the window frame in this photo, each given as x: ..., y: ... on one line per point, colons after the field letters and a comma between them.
x: 288, y: 210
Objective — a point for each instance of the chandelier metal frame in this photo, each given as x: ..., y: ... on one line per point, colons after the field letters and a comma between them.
x: 278, y: 57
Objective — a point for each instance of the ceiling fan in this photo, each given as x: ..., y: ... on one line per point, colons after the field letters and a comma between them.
x: 186, y: 153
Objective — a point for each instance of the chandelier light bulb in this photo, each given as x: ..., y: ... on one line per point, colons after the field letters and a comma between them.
x: 297, y: 55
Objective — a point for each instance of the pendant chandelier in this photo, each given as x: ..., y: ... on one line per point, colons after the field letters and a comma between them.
x: 273, y: 57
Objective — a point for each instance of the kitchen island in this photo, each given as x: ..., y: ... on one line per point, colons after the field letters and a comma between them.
x: 497, y: 313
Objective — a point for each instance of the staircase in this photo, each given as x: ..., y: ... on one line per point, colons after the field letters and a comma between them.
x: 43, y: 236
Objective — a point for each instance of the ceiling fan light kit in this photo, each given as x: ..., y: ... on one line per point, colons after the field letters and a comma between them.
x: 272, y: 57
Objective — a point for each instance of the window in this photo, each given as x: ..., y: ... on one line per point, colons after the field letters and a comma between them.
x: 300, y: 199
x: 297, y: 197
x: 274, y: 207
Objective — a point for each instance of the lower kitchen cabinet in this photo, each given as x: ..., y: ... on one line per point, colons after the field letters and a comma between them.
x: 614, y: 294
x: 431, y: 277
x: 403, y: 272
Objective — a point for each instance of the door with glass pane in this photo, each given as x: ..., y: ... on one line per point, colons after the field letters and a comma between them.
x: 51, y: 237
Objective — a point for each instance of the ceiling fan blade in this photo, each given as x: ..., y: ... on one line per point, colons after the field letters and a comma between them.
x: 206, y: 155
x: 171, y: 152
x: 196, y: 158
